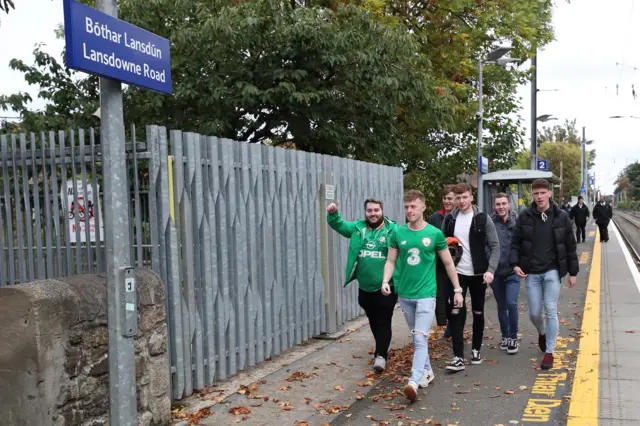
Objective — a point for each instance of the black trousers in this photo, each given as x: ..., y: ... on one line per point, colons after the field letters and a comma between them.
x: 476, y: 287
x: 580, y: 230
x: 604, y: 231
x: 379, y: 310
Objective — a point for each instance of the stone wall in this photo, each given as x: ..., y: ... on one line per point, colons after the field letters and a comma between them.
x: 54, y: 352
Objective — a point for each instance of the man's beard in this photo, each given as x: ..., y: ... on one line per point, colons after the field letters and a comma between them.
x: 374, y: 224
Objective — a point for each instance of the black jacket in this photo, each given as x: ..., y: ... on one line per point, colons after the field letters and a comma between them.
x: 564, y: 241
x: 580, y: 215
x: 442, y: 279
x: 602, y: 213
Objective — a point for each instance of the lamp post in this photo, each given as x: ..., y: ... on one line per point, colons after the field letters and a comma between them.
x: 583, y: 161
x: 493, y: 57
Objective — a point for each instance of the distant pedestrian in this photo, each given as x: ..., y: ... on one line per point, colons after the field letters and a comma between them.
x: 603, y: 213
x: 366, y: 257
x: 580, y: 214
x: 543, y: 251
x: 506, y: 284
x: 413, y: 249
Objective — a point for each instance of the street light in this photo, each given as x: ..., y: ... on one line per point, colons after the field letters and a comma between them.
x: 493, y: 57
x: 625, y: 116
x: 546, y: 117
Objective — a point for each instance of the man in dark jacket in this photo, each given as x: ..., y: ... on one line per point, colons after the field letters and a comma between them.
x: 543, y: 251
x: 580, y: 215
x: 506, y: 284
x: 444, y: 286
x: 603, y: 213
x: 480, y: 257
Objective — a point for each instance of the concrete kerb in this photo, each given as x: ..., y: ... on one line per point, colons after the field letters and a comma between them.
x: 229, y: 387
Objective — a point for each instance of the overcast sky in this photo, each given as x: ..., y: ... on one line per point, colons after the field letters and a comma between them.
x: 596, y: 48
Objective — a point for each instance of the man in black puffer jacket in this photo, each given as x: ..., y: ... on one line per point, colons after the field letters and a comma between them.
x: 543, y: 250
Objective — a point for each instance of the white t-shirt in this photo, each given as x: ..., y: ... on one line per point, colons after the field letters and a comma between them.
x: 461, y: 232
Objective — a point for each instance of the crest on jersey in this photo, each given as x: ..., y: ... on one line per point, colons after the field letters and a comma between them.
x: 426, y: 242
x: 383, y: 239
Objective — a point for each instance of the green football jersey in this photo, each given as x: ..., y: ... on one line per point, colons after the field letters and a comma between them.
x: 372, y: 257
x: 416, y: 263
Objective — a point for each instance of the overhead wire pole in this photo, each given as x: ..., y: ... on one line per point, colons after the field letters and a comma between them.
x: 122, y: 377
x: 480, y: 124
x: 534, y: 110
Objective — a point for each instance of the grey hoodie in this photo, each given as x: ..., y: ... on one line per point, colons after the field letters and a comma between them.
x: 505, y: 232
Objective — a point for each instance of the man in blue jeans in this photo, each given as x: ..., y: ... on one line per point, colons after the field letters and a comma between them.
x: 506, y: 284
x: 543, y: 251
x: 413, y: 249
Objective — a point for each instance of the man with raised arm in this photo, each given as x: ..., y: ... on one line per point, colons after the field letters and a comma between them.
x: 413, y: 248
x: 365, y: 262
x: 543, y: 250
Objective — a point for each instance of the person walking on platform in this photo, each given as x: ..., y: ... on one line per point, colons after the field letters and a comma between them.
x: 543, y: 251
x: 506, y: 284
x: 444, y: 286
x: 413, y: 248
x: 603, y: 213
x: 366, y: 258
x: 580, y: 215
x: 480, y: 257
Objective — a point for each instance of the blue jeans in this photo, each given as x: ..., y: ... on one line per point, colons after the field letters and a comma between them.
x: 506, y: 289
x: 419, y: 314
x: 544, y: 287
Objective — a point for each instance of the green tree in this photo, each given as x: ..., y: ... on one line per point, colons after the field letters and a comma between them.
x: 6, y: 6
x: 337, y: 83
x: 628, y: 182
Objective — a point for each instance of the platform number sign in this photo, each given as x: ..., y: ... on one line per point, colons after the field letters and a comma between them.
x: 543, y: 165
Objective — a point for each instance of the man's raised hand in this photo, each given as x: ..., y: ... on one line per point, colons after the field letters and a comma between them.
x: 333, y: 207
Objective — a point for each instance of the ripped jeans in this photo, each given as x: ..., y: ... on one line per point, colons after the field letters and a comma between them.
x: 419, y: 314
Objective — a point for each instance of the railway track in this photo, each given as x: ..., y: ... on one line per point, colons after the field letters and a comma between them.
x: 628, y: 223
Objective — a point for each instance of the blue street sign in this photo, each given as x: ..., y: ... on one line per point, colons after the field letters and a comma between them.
x: 543, y: 164
x: 591, y: 180
x: 101, y: 44
x: 582, y: 189
x: 483, y: 164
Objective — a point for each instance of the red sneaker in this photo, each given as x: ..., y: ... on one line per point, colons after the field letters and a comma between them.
x: 542, y: 342
x: 547, y: 362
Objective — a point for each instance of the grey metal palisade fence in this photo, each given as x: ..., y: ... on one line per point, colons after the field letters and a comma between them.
x: 236, y: 231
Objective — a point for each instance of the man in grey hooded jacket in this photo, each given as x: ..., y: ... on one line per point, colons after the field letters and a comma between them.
x: 476, y: 233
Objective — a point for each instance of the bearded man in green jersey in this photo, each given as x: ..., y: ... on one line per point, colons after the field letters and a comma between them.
x: 365, y: 262
x: 412, y: 257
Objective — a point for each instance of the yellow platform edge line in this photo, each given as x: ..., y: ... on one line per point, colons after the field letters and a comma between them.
x: 583, y: 409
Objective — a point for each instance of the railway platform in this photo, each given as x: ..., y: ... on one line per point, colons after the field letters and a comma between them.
x: 606, y: 388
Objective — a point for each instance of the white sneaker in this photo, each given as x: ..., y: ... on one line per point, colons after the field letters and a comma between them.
x: 379, y: 365
x: 411, y: 391
x: 427, y: 377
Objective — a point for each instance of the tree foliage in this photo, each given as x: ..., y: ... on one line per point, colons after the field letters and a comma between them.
x: 388, y: 81
x: 628, y: 182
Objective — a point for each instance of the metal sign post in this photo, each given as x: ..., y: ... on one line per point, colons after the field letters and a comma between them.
x: 98, y: 42
x: 122, y: 368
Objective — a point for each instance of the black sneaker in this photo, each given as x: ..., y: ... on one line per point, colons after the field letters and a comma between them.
x: 512, y: 348
x: 542, y: 342
x: 456, y: 364
x: 504, y: 344
x: 476, y: 359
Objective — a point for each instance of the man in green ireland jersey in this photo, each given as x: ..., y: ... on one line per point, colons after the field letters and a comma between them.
x: 365, y: 262
x: 412, y: 256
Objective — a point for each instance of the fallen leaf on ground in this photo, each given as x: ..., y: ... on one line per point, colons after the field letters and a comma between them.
x: 509, y: 392
x: 236, y: 411
x: 298, y: 376
x: 299, y: 423
x: 259, y: 404
x: 523, y: 388
x: 338, y: 388
x: 476, y: 384
x: 497, y: 387
x: 284, y: 388
x: 630, y: 331
x: 356, y: 356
